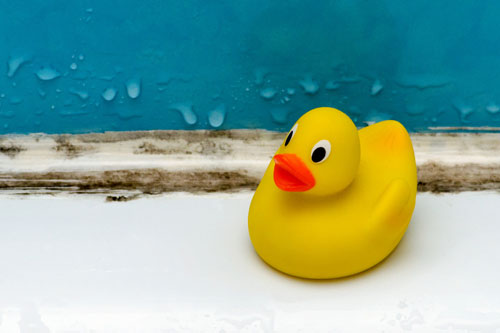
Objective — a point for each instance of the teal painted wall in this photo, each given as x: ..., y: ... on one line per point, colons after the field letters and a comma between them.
x: 87, y: 65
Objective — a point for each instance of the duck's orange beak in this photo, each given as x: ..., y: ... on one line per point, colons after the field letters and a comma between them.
x: 291, y: 174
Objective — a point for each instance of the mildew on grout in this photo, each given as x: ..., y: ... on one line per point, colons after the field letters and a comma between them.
x: 130, y: 184
x: 143, y: 181
x: 65, y: 146
x: 124, y: 165
x: 10, y: 149
x: 150, y: 148
x: 438, y: 178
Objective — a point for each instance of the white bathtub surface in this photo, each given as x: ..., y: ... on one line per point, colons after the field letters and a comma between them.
x: 185, y: 263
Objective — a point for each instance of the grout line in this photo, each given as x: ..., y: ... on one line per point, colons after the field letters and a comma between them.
x: 153, y: 162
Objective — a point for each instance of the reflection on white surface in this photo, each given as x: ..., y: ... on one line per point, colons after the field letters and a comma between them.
x: 185, y: 263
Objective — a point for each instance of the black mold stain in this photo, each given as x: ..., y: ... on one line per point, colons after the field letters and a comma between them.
x: 203, y: 147
x: 121, y: 198
x: 11, y: 149
x: 149, y: 148
x: 69, y: 149
x: 145, y: 181
x: 438, y: 178
x: 118, y: 184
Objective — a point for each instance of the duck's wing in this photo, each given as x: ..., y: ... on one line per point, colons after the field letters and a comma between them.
x: 387, y: 155
x: 389, y: 207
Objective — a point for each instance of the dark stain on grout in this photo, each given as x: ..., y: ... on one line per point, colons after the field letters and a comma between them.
x: 149, y: 148
x: 121, y: 198
x: 144, y: 181
x: 125, y: 185
x: 10, y: 149
x: 438, y: 178
x: 204, y: 147
x: 64, y: 145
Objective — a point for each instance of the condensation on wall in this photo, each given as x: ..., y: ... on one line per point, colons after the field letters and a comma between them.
x: 90, y: 66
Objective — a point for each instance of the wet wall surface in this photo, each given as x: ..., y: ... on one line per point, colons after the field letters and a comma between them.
x: 91, y: 66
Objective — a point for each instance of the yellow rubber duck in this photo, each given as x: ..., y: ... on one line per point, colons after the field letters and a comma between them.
x: 334, y: 201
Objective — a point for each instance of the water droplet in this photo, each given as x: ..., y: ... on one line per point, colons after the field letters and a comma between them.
x: 260, y: 74
x: 15, y: 100
x: 47, y: 73
x: 42, y: 93
x: 217, y: 115
x: 81, y: 57
x: 109, y: 94
x: 133, y: 88
x: 332, y: 85
x: 377, y: 87
x: 186, y: 110
x: 290, y: 91
x: 14, y: 63
x: 268, y: 93
x: 464, y: 110
x: 73, y: 66
x: 493, y: 108
x: 80, y: 93
x: 310, y: 86
x: 280, y: 115
x: 285, y: 99
x: 2, y: 95
x: 89, y: 10
x: 53, y: 107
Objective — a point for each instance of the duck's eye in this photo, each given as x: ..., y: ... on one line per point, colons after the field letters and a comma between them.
x: 320, y: 151
x: 291, y: 134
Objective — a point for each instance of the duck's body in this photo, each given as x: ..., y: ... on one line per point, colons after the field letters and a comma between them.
x: 328, y: 235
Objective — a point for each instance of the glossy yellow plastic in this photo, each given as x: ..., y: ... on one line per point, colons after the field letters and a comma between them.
x: 356, y: 212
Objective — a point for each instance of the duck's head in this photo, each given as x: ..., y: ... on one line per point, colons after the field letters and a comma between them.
x: 320, y: 155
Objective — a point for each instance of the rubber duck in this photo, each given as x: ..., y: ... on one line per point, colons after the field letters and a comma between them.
x: 334, y: 200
